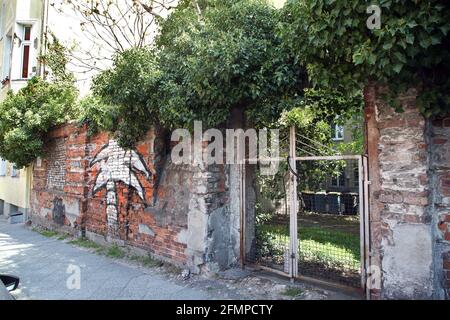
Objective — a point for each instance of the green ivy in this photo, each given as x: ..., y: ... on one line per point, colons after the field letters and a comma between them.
x: 411, y: 49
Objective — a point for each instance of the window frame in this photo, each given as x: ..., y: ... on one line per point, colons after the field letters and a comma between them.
x: 338, y: 132
x: 25, y: 43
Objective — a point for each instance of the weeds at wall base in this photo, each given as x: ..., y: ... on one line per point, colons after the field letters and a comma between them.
x: 114, y: 251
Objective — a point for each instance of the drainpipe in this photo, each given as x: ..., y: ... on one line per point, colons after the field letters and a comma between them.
x: 43, y: 39
x: 13, y: 39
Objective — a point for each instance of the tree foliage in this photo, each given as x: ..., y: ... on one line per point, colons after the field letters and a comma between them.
x: 97, y: 115
x: 211, y: 56
x: 329, y: 105
x: 225, y: 54
x: 411, y: 49
x: 131, y: 90
x: 28, y: 114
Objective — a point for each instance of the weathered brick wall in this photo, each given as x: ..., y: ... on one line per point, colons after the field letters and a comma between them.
x: 440, y: 179
x: 90, y: 186
x: 59, y: 189
x: 408, y: 165
x: 56, y: 177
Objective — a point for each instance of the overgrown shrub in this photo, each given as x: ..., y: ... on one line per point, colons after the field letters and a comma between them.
x: 207, y: 60
x: 26, y: 116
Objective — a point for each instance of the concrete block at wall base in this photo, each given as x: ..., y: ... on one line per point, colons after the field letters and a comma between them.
x: 129, y: 248
x: 16, y: 218
x: 50, y: 225
x: 407, y: 263
x: 14, y: 214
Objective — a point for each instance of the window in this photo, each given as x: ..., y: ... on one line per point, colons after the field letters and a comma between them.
x: 26, y: 46
x: 338, y: 180
x: 2, y: 168
x: 337, y: 132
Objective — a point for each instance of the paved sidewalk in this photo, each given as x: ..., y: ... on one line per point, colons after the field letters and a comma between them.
x: 42, y: 264
x: 45, y: 267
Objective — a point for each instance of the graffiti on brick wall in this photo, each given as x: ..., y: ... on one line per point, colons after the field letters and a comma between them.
x: 58, y: 211
x: 117, y: 165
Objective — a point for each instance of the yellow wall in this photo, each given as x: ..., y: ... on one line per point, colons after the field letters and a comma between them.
x: 15, y: 190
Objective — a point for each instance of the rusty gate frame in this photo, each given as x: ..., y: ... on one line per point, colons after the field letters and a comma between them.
x: 364, y: 183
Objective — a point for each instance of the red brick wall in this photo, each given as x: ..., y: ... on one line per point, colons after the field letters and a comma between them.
x: 399, y: 193
x: 85, y: 212
x: 409, y: 168
x: 74, y: 191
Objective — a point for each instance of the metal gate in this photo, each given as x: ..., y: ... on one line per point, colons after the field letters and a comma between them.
x: 318, y: 227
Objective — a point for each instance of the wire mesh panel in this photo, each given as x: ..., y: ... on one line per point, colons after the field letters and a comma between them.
x: 272, y: 219
x: 329, y: 220
x: 307, y: 214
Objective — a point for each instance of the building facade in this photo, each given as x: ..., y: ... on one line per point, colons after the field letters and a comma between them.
x: 20, y: 48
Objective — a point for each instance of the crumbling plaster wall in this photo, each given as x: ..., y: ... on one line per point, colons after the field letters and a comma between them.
x: 439, y: 140
x: 179, y: 213
x: 407, y: 198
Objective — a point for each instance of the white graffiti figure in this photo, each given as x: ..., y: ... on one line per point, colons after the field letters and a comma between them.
x: 117, y: 165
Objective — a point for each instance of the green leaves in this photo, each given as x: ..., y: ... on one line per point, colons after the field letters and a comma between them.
x: 126, y: 97
x: 201, y: 68
x: 56, y: 59
x: 29, y: 114
x: 410, y: 50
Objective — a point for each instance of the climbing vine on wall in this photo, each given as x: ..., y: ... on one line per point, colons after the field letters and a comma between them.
x: 410, y: 49
x: 56, y: 60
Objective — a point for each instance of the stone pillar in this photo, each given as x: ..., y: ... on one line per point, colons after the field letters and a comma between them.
x: 440, y: 188
x: 400, y: 219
